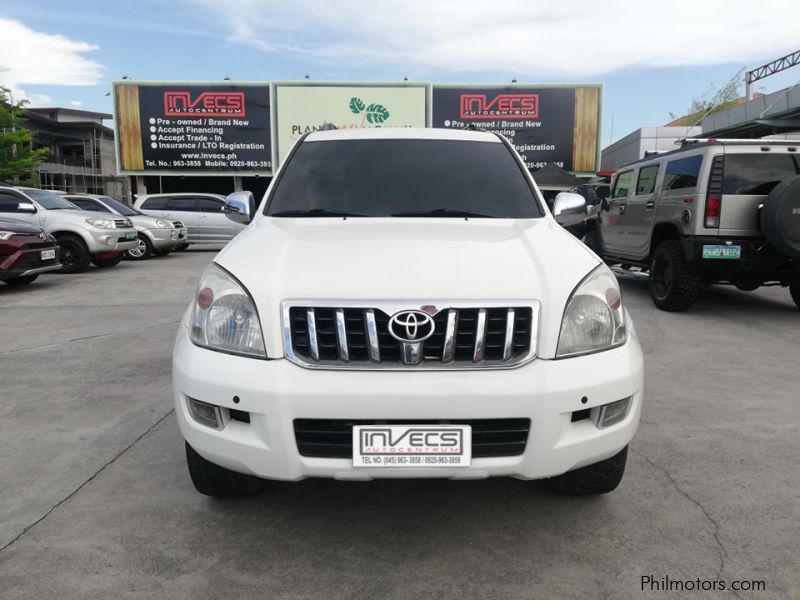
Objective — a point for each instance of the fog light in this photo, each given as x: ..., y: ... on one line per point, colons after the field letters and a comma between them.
x: 205, y: 414
x: 109, y: 240
x: 611, y: 414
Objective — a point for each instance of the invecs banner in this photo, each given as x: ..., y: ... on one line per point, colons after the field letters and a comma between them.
x: 546, y: 124
x: 193, y: 128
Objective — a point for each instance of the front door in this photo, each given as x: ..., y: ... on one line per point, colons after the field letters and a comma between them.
x: 9, y: 207
x: 641, y: 212
x: 612, y: 219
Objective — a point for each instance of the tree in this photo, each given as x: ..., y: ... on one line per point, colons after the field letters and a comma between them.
x: 18, y: 160
x: 712, y: 101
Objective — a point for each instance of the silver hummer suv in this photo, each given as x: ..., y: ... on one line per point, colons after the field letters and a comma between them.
x: 712, y: 211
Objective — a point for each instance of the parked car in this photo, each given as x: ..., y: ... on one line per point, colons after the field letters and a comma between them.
x: 712, y: 211
x: 83, y: 236
x: 26, y: 251
x: 203, y: 215
x: 156, y: 236
x: 435, y: 324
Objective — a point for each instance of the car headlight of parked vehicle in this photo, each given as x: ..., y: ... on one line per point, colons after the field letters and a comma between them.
x: 162, y: 224
x: 594, y: 319
x: 224, y: 316
x: 4, y: 235
x: 102, y: 223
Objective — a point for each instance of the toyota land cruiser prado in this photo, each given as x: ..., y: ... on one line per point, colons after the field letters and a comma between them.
x: 403, y: 304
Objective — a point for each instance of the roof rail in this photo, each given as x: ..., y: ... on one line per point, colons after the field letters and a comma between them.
x: 687, y: 141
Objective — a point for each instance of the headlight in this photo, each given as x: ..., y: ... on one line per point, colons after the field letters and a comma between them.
x: 102, y: 223
x: 224, y: 317
x: 594, y: 319
x: 4, y: 235
x: 162, y: 224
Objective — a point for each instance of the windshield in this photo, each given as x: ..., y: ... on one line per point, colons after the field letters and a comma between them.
x: 50, y: 201
x: 403, y: 177
x: 123, y: 209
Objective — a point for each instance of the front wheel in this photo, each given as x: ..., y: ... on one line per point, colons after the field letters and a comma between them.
x: 599, y: 478
x: 794, y: 290
x: 19, y: 281
x: 213, y: 480
x: 75, y: 255
x: 674, y: 285
x: 108, y: 262
x: 142, y: 250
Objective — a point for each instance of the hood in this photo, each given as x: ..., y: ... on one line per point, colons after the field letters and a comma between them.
x: 414, y: 259
x: 148, y: 221
x: 19, y: 226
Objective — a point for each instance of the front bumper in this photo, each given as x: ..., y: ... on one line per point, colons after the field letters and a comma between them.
x: 112, y: 241
x: 275, y: 392
x: 164, y: 239
x: 27, y: 261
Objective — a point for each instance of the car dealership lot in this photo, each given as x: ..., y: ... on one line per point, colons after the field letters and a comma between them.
x: 95, y: 500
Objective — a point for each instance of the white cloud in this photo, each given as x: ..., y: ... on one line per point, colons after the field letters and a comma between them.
x: 76, y: 103
x: 29, y: 57
x: 524, y: 38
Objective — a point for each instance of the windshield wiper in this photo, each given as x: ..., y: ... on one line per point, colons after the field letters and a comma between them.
x: 315, y: 212
x: 443, y: 212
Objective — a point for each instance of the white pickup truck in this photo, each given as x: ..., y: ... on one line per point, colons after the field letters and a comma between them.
x: 403, y: 304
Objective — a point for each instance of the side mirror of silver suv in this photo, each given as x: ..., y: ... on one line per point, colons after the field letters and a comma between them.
x: 26, y: 207
x: 240, y: 207
x: 569, y: 209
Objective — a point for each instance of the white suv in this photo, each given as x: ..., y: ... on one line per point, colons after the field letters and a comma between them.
x: 404, y: 305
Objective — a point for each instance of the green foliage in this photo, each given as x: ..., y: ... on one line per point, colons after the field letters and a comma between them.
x: 713, y: 101
x: 18, y: 160
x: 356, y: 105
x: 377, y: 113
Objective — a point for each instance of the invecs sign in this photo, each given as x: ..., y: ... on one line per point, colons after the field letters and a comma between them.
x: 181, y: 104
x: 477, y: 106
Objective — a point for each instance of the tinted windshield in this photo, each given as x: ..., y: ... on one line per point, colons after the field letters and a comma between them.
x: 756, y: 173
x: 391, y: 177
x: 118, y: 206
x: 50, y: 201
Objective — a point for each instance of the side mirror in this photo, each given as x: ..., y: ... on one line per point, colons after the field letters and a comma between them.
x: 26, y: 207
x: 569, y: 209
x: 240, y: 207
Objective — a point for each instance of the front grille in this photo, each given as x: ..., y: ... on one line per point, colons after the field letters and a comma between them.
x: 122, y: 223
x: 177, y: 224
x: 333, y: 438
x: 464, y: 336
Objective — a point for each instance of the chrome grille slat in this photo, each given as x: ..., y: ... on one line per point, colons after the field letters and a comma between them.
x: 466, y: 335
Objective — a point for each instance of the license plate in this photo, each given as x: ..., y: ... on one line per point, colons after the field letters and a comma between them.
x: 130, y: 235
x: 412, y: 445
x: 184, y: 231
x: 48, y: 254
x: 722, y: 252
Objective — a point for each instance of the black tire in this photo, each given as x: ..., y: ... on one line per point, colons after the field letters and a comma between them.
x: 161, y: 252
x: 20, y: 281
x: 794, y: 290
x: 143, y: 249
x: 599, y: 478
x: 213, y: 480
x: 674, y: 285
x: 108, y: 262
x: 592, y: 240
x: 75, y: 257
x: 181, y: 247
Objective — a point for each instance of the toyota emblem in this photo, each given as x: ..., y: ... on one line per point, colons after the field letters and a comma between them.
x: 411, y: 326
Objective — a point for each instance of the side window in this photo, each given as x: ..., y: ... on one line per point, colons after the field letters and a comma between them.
x: 9, y: 203
x: 622, y: 186
x: 155, y: 203
x: 682, y: 173
x: 647, y: 180
x: 182, y: 203
x: 209, y: 205
x: 86, y: 204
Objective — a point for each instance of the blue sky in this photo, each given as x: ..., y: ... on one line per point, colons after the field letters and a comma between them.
x: 59, y: 53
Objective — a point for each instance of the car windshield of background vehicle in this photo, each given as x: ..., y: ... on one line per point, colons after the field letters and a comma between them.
x: 756, y: 173
x: 682, y: 173
x: 50, y: 201
x: 123, y: 209
x: 391, y: 177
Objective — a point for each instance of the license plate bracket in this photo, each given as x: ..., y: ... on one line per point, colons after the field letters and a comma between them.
x: 412, y: 446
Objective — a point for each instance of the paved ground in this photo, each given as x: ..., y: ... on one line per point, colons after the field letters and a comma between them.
x: 95, y: 501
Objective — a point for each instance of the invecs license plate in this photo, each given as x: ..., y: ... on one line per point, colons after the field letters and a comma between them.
x: 722, y: 252
x: 48, y: 254
x: 412, y: 445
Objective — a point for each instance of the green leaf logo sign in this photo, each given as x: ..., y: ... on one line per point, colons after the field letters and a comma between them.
x: 377, y: 113
x: 356, y: 105
x: 374, y: 113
